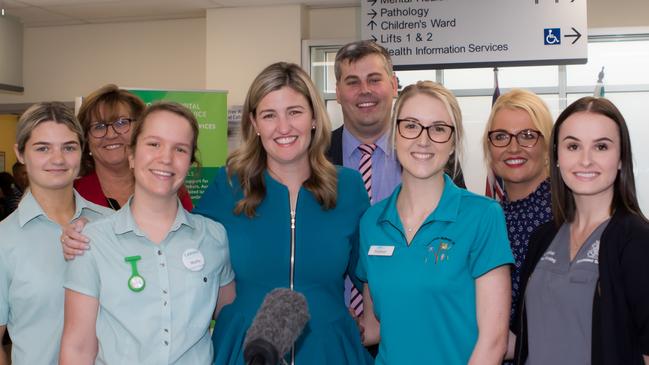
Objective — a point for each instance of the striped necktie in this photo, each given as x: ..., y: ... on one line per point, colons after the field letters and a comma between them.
x: 365, y: 168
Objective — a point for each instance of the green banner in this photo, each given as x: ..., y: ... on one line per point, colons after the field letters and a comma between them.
x: 211, y: 111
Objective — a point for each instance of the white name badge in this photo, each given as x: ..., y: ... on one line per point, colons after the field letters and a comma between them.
x: 376, y: 250
x: 193, y: 259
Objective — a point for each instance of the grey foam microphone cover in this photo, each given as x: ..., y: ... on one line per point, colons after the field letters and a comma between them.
x: 279, y: 320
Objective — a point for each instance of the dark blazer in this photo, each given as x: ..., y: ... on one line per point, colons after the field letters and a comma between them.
x: 335, y: 151
x: 335, y: 155
x: 620, y: 331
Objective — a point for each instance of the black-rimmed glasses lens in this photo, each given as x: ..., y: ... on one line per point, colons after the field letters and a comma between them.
x: 438, y: 132
x: 120, y: 126
x: 525, y: 138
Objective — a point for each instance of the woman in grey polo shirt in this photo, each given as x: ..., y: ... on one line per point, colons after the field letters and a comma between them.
x: 49, y: 141
x: 146, y: 292
x: 586, y: 277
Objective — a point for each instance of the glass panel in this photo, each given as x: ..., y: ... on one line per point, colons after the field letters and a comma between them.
x: 475, y: 112
x: 335, y: 113
x: 322, y: 68
x: 625, y: 63
x: 469, y: 78
x: 508, y: 77
x: 529, y: 76
x: 410, y: 77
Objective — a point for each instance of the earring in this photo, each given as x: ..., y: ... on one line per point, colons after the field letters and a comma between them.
x: 313, y: 126
x: 257, y: 134
x: 89, y: 153
x: 557, y: 164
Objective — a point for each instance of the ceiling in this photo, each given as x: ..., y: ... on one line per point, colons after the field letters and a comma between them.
x: 39, y: 13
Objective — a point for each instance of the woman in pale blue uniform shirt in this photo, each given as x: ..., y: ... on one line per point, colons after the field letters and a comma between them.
x: 49, y: 141
x: 150, y: 285
x: 435, y: 257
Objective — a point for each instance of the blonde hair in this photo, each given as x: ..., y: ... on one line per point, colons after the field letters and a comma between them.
x: 439, y: 92
x: 524, y: 100
x: 248, y: 162
x: 38, y: 113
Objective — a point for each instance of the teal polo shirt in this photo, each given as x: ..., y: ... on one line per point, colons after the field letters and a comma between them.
x: 32, y: 270
x: 167, y: 321
x: 425, y: 294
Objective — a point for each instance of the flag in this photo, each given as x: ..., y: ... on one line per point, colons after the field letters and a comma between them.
x: 496, y: 88
x: 599, y: 86
x: 495, y: 186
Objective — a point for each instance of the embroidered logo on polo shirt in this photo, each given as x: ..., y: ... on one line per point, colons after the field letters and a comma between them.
x: 439, y: 249
x: 592, y: 255
x: 549, y: 256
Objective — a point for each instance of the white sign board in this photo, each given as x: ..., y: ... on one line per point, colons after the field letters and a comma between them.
x: 477, y: 33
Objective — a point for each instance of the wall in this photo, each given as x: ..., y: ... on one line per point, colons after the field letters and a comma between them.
x: 7, y: 139
x: 63, y: 62
x: 623, y: 13
x: 242, y: 41
x: 345, y: 20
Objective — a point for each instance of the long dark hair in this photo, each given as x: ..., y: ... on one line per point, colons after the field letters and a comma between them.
x: 624, y: 192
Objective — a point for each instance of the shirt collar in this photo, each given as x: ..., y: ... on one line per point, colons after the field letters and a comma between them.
x: 28, y: 208
x: 351, y: 143
x: 447, y: 208
x: 124, y: 221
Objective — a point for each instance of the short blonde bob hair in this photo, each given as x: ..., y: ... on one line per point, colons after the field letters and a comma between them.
x: 528, y: 102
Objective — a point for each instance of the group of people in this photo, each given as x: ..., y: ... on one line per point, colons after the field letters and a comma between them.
x: 370, y: 222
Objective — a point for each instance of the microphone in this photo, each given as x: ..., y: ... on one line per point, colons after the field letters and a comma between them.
x: 277, y: 324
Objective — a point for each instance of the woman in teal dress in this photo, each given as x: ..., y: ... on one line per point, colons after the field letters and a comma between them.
x: 291, y: 217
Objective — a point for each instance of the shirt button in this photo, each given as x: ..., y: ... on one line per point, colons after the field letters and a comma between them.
x: 159, y: 252
x: 205, y: 279
x: 162, y: 264
x: 164, y: 291
x: 165, y: 303
x: 166, y: 330
x: 166, y: 343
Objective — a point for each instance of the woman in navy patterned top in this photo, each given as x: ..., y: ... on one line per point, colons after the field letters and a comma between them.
x: 516, y: 148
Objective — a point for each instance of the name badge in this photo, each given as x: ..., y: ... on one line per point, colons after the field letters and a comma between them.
x: 376, y: 250
x: 193, y: 259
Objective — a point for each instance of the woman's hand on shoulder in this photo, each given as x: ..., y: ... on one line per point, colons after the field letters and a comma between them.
x: 73, y: 242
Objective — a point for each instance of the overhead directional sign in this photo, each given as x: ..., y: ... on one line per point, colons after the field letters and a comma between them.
x: 477, y: 33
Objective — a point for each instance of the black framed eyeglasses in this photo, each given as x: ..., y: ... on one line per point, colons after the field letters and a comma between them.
x: 525, y: 138
x: 438, y: 132
x: 120, y: 126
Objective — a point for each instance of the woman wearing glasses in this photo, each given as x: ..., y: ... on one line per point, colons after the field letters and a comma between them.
x: 516, y: 149
x: 435, y: 257
x: 107, y: 116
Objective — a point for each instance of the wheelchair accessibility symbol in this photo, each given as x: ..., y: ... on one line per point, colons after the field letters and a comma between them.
x: 551, y: 36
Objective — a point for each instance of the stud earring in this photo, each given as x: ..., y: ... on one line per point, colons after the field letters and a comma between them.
x: 313, y: 126
x: 89, y: 153
x: 257, y: 134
